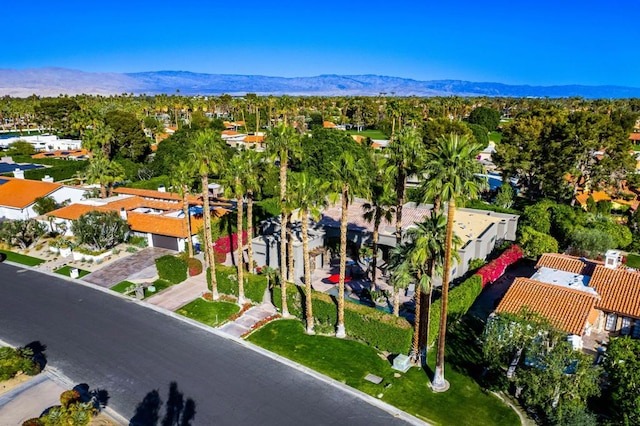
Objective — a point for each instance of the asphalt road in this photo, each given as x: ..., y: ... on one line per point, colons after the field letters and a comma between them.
x: 135, y: 353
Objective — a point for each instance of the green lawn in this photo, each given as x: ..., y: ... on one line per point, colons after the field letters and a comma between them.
x: 22, y: 259
x: 66, y: 271
x: 633, y: 261
x: 495, y: 136
x: 465, y: 403
x: 121, y: 287
x: 209, y: 313
x: 373, y: 134
x: 159, y: 285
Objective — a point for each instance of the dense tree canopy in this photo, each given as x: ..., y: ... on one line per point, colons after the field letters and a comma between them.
x: 488, y: 118
x: 128, y: 139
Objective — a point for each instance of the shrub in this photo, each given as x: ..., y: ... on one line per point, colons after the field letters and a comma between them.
x: 14, y: 361
x: 195, y: 266
x: 69, y: 397
x: 368, y: 325
x: 494, y: 269
x: 138, y: 241
x: 171, y: 268
x: 33, y: 422
x: 461, y: 298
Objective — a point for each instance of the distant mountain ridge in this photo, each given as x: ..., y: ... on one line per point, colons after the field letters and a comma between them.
x: 56, y: 81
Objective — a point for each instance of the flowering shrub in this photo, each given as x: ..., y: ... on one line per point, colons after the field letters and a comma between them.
x: 224, y: 245
x: 259, y: 324
x: 237, y: 315
x: 195, y: 266
x: 494, y: 269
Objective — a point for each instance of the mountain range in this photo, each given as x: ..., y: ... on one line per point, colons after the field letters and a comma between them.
x: 56, y: 81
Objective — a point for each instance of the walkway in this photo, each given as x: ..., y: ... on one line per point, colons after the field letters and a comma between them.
x: 179, y: 295
x: 247, y: 320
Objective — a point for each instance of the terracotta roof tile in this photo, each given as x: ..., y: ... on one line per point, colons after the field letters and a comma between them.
x: 635, y: 136
x: 150, y: 193
x: 253, y: 138
x: 74, y: 211
x: 567, y: 263
x: 161, y: 225
x: 62, y: 153
x: 567, y: 309
x: 619, y: 290
x: 20, y: 193
x: 328, y: 124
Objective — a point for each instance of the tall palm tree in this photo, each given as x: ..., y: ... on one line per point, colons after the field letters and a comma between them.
x: 181, y: 178
x: 283, y: 142
x: 104, y: 172
x: 402, y: 274
x: 450, y: 174
x: 349, y: 177
x: 208, y: 152
x: 307, y: 193
x: 381, y: 207
x: 252, y: 161
x: 405, y: 158
x: 233, y: 174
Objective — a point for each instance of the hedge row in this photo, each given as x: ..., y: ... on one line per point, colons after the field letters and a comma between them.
x: 461, y: 298
x: 171, y: 268
x: 368, y: 325
x: 494, y: 269
x: 254, y: 286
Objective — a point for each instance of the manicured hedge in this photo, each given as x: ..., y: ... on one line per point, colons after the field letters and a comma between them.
x: 171, y: 268
x: 461, y: 298
x: 195, y: 266
x: 254, y: 286
x: 375, y: 328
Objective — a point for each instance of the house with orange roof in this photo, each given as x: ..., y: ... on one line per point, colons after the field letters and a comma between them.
x: 157, y: 216
x: 18, y: 196
x: 332, y: 125
x: 73, y: 154
x: 580, y: 296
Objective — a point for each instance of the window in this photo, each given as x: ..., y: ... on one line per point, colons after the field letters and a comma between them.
x: 636, y: 330
x: 610, y: 325
x: 626, y: 326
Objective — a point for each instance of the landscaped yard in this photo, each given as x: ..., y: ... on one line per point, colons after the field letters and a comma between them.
x: 373, y: 134
x: 121, y: 287
x: 633, y: 261
x: 349, y: 362
x: 66, y: 271
x: 207, y: 312
x: 22, y: 258
x: 495, y: 136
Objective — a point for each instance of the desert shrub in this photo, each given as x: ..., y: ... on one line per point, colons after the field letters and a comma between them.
x: 14, y: 361
x: 138, y: 241
x: 195, y: 266
x: 69, y: 397
x: 375, y: 328
x: 171, y: 268
x: 33, y: 422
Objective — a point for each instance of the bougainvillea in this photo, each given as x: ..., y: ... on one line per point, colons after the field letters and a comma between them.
x: 494, y: 269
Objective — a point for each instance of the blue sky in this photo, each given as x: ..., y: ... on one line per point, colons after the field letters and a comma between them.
x: 516, y: 42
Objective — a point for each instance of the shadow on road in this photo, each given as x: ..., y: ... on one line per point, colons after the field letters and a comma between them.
x: 37, y: 349
x: 178, y: 411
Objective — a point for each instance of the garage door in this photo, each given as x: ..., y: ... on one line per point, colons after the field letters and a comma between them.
x: 162, y: 241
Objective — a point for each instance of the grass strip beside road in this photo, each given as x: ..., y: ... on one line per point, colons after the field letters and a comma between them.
x: 207, y: 312
x: 22, y: 258
x: 122, y: 286
x: 66, y: 271
x: 349, y: 362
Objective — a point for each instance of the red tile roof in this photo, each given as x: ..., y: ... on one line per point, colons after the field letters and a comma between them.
x: 567, y: 309
x: 635, y: 136
x: 21, y: 193
x: 150, y: 193
x: 619, y: 290
x: 563, y: 262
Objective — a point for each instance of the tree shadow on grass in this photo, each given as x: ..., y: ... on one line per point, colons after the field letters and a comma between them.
x: 178, y: 410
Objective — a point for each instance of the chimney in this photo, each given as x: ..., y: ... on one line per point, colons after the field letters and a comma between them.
x: 47, y: 178
x: 612, y: 259
x: 123, y: 213
x: 18, y: 174
x: 161, y: 188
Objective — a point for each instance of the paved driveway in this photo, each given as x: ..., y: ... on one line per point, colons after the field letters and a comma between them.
x: 130, y: 266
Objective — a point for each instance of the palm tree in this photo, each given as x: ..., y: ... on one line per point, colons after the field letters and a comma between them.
x: 252, y: 161
x: 402, y: 274
x: 349, y: 178
x: 405, y: 157
x: 282, y: 142
x: 207, y: 152
x: 233, y: 175
x: 450, y: 173
x: 181, y: 179
x: 380, y: 208
x: 307, y: 194
x: 104, y: 172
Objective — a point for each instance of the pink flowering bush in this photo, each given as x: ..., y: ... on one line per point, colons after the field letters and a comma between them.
x: 494, y: 269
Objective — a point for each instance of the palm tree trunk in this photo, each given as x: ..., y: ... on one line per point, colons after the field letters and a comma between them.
x: 208, y: 244
x: 103, y: 190
x: 340, y: 330
x: 401, y: 191
x: 427, y: 323
x: 240, y: 255
x: 439, y: 383
x: 415, y: 348
x: 396, y: 302
x: 307, y: 270
x: 290, y: 272
x: 185, y: 209
x: 250, y: 230
x: 374, y: 257
x: 283, y: 232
